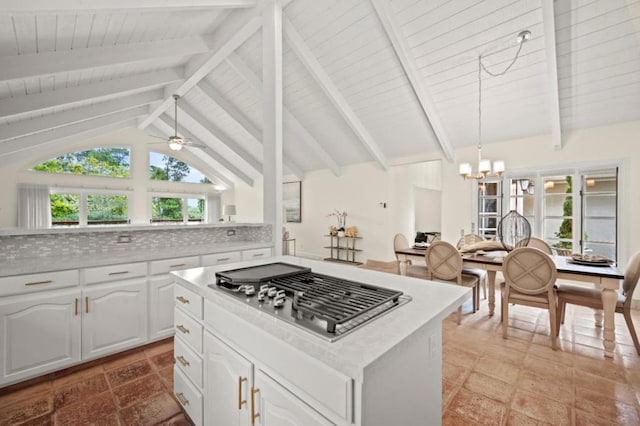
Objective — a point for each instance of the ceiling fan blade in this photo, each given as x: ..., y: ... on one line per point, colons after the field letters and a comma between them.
x: 158, y: 137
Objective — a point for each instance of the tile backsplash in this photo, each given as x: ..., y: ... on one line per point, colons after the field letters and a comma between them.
x: 14, y: 247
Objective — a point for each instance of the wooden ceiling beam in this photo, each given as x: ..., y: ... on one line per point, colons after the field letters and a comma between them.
x: 16, y: 145
x: 407, y: 61
x: 167, y: 124
x: 549, y: 25
x: 307, y: 138
x: 19, y: 105
x: 302, y: 50
x: 51, y: 121
x: 243, y: 121
x: 39, y: 6
x: 46, y: 63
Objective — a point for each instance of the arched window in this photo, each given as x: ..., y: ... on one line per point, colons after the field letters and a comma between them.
x: 109, y: 162
x: 164, y: 167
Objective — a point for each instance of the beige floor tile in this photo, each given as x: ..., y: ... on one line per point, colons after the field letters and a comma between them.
x: 560, y: 388
x: 605, y: 387
x: 454, y: 373
x: 489, y: 386
x: 541, y: 408
x: 479, y: 409
x: 498, y: 369
x: 590, y: 401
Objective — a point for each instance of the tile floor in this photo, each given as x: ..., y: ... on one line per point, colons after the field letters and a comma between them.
x: 486, y: 379
x: 132, y: 389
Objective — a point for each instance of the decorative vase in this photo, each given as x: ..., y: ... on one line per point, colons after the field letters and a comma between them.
x: 341, y: 234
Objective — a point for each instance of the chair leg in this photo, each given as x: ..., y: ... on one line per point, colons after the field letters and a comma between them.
x: 559, y: 316
x: 632, y: 330
x: 505, y: 316
x: 553, y: 320
x: 484, y: 287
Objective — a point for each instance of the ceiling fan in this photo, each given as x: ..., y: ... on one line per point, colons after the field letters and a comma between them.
x: 176, y: 142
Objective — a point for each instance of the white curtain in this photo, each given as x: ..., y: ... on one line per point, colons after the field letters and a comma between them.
x: 213, y: 208
x: 34, y: 206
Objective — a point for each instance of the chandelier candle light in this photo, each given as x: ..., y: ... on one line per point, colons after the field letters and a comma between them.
x: 484, y: 166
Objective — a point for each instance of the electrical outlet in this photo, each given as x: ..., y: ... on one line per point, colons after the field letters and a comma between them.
x: 231, y: 232
x: 124, y: 238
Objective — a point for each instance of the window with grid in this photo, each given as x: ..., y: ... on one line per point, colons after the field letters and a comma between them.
x: 489, y: 208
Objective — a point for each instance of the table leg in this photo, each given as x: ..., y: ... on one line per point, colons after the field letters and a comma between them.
x: 609, y: 298
x: 403, y: 266
x: 491, y: 277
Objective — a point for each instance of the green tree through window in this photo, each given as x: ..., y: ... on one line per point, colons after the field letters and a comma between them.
x: 110, y: 162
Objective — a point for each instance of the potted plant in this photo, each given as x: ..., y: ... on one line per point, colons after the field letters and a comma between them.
x: 342, y: 219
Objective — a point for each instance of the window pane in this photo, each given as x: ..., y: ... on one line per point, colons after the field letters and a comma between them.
x: 600, y: 205
x: 107, y: 210
x: 195, y: 209
x: 600, y: 230
x: 599, y: 249
x: 166, y: 209
x: 163, y: 167
x: 111, y: 162
x: 65, y: 209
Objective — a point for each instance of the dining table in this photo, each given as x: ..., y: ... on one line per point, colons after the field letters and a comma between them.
x: 607, y: 278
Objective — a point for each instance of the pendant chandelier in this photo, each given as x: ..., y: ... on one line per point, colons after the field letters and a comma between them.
x: 484, y: 166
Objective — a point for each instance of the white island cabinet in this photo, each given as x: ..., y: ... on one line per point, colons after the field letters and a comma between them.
x: 264, y: 371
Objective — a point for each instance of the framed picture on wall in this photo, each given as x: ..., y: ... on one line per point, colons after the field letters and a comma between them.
x: 292, y: 201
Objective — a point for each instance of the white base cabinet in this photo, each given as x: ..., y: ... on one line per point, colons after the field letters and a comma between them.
x: 114, y: 317
x: 40, y: 333
x: 160, y: 307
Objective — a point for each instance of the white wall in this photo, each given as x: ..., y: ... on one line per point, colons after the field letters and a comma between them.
x: 581, y: 147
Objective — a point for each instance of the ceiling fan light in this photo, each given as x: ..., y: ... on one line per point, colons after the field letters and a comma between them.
x: 175, y: 146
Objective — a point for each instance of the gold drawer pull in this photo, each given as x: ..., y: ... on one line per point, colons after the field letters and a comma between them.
x: 241, y: 402
x: 258, y: 254
x: 182, y: 300
x: 183, y: 329
x: 254, y: 415
x: 178, y: 265
x: 119, y: 273
x: 39, y: 282
x: 86, y: 304
x: 224, y: 259
x: 76, y: 306
x: 182, y: 361
x: 182, y: 399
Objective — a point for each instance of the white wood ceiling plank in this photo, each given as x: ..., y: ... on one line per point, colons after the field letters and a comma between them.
x: 306, y: 11
x: 47, y: 83
x: 24, y: 27
x: 334, y: 24
x: 297, y: 43
x: 24, y: 143
x: 127, y: 29
x: 603, y: 71
x: 8, y: 42
x: 32, y: 86
x: 65, y: 28
x: 156, y: 25
x: 46, y: 33
x: 32, y: 65
x: 588, y: 56
x: 99, y: 25
x: 17, y: 88
x: 440, y: 19
x: 28, y: 127
x: 596, y: 39
x: 319, y: 23
x: 13, y: 6
x: 592, y: 25
x: 408, y: 10
x: 19, y: 105
x: 603, y: 88
x: 567, y: 7
x: 112, y: 32
x: 81, y: 31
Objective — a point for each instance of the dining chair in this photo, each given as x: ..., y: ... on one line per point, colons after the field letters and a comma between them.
x: 592, y: 298
x: 417, y: 271
x: 536, y: 243
x: 444, y: 263
x: 529, y: 276
x: 392, y: 267
x: 467, y: 240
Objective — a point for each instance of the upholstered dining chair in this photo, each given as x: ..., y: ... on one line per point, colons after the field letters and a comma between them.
x: 416, y: 271
x: 591, y: 297
x: 444, y: 263
x: 467, y: 240
x: 536, y: 243
x: 529, y: 276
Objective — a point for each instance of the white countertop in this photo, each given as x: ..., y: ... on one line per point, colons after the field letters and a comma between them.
x: 431, y: 303
x: 35, y: 265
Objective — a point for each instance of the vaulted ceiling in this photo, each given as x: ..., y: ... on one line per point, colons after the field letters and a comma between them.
x: 364, y: 80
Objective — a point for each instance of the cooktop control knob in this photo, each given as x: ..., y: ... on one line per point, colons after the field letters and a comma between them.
x: 264, y: 287
x: 279, y: 299
x: 249, y: 290
x: 272, y: 292
x: 262, y: 294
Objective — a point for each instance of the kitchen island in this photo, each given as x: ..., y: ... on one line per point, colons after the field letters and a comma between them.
x: 254, y: 366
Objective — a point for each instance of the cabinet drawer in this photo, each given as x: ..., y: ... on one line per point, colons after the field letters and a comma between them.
x: 221, y: 258
x: 38, y: 282
x: 188, y: 361
x: 115, y: 272
x: 168, y: 265
x: 256, y: 254
x: 189, y: 396
x: 188, y: 329
x: 188, y: 300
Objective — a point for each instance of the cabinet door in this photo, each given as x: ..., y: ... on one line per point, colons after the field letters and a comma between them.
x: 276, y: 406
x: 228, y: 381
x: 40, y: 333
x: 114, y: 317
x: 161, y: 307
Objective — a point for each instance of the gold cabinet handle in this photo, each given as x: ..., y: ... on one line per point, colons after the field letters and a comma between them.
x: 258, y: 254
x: 182, y: 361
x: 39, y: 282
x: 119, y: 273
x: 182, y: 300
x: 182, y: 399
x: 241, y: 402
x: 76, y: 306
x: 254, y: 415
x: 178, y: 265
x: 86, y: 304
x: 183, y: 329
x: 224, y: 259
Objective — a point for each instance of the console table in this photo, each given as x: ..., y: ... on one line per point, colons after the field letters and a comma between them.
x: 343, y: 249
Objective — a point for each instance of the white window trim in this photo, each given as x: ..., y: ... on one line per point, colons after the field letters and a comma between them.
x: 185, y: 207
x: 83, y: 192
